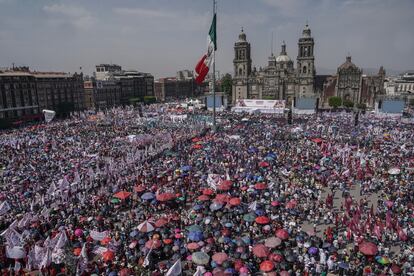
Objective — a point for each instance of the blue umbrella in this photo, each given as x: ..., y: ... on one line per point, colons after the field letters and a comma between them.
x: 195, y: 236
x: 343, y: 265
x: 198, y: 207
x: 313, y: 250
x: 228, y: 225
x: 148, y: 196
x: 186, y: 168
x: 133, y: 233
x: 216, y: 206
x: 260, y: 212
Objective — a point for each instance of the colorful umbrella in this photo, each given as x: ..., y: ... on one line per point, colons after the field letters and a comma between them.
x: 155, y: 244
x: 148, y: 196
x: 273, y: 242
x: 282, y: 234
x: 368, y: 248
x: 161, y: 222
x: 235, y: 201
x: 260, y: 186
x: 263, y: 164
x: 145, y: 227
x: 122, y: 195
x: 262, y: 220
x: 108, y: 256
x: 220, y: 257
x: 139, y: 188
x: 260, y: 250
x: 200, y: 258
x: 193, y: 246
x: 165, y: 196
x: 382, y: 260
x: 250, y: 217
x: 267, y: 266
x: 203, y: 198
x: 208, y: 191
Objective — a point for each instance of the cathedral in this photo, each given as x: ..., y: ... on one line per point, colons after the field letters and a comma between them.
x: 279, y: 80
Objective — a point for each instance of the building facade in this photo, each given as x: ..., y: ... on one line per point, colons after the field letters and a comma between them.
x: 170, y: 89
x: 352, y: 86
x: 61, y: 92
x: 18, y: 95
x: 278, y: 80
x: 105, y: 71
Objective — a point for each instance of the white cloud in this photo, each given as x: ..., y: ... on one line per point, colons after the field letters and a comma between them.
x: 76, y: 15
x: 144, y: 12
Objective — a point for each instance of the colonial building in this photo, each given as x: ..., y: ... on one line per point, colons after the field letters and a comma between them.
x: 352, y: 86
x: 279, y: 79
x: 177, y: 88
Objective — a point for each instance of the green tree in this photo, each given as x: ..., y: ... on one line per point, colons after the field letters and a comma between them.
x: 361, y: 106
x: 348, y: 103
x: 149, y: 99
x: 226, y: 84
x: 335, y: 102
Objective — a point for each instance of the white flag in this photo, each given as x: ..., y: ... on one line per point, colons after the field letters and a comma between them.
x: 175, y: 270
x: 61, y: 241
x: 47, y: 259
x: 98, y: 236
x: 253, y: 206
x: 4, y: 208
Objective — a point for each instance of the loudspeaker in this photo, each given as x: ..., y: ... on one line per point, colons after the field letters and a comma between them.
x: 379, y: 104
x: 317, y: 104
x: 294, y: 101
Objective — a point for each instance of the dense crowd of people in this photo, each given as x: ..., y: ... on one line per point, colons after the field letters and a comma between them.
x: 119, y: 194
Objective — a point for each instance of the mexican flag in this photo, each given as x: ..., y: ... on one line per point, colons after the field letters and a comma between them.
x: 204, y: 64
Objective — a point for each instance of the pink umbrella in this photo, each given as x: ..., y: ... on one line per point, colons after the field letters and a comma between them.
x: 282, y: 234
x: 260, y: 250
x: 220, y: 257
x: 193, y: 246
x: 78, y: 232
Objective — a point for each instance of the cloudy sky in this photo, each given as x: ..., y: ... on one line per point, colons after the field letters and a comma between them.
x: 163, y: 36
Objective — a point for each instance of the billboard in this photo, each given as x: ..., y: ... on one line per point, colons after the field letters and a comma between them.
x: 392, y: 106
x: 305, y: 103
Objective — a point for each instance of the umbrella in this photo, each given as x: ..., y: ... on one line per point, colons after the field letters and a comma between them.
x: 186, y: 168
x: 267, y: 266
x: 216, y: 206
x: 313, y: 250
x: 115, y: 200
x: 273, y: 242
x: 108, y: 256
x: 165, y: 196
x: 208, y: 191
x: 78, y: 232
x: 262, y: 220
x: 122, y: 195
x: 153, y: 244
x: 134, y: 233
x: 394, y: 171
x: 139, y: 188
x: 193, y: 246
x: 148, y: 196
x: 260, y: 186
x: 382, y: 260
x: 220, y: 257
x: 263, y: 164
x: 145, y: 227
x: 224, y: 187
x: 282, y: 234
x: 278, y: 258
x: 161, y: 222
x: 195, y: 236
x: 223, y: 198
x: 235, y: 201
x: 203, y: 198
x: 260, y: 250
x: 343, y: 265
x: 291, y: 204
x: 250, y: 217
x: 200, y: 258
x: 396, y: 269
x: 368, y: 248
x: 195, y: 228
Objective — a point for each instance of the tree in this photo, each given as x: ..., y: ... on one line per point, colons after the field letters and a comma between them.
x: 226, y: 84
x: 149, y: 99
x: 348, y: 103
x: 361, y: 106
x: 335, y: 102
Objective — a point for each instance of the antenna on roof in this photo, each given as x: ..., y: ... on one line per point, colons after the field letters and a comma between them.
x: 271, y: 45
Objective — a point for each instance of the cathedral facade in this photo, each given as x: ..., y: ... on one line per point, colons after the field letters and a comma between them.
x: 279, y: 80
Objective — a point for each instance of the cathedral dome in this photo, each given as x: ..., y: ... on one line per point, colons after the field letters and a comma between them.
x: 348, y: 64
x: 242, y: 36
x: 283, y: 57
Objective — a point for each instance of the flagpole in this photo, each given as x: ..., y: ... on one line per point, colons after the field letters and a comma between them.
x: 214, y: 75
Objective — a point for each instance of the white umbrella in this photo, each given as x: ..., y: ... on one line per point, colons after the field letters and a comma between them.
x: 145, y: 227
x: 394, y: 171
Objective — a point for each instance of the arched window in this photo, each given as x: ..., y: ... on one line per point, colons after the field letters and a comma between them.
x: 240, y: 71
x: 304, y: 70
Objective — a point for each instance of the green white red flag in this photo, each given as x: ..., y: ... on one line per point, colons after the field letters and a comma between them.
x: 205, y: 63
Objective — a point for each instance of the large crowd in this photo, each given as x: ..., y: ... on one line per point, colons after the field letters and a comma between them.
x: 120, y: 194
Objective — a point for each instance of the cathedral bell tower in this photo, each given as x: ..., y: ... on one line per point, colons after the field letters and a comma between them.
x: 306, y: 63
x: 242, y: 63
x: 242, y: 60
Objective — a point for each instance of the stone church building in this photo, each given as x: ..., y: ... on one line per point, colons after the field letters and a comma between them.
x: 279, y: 80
